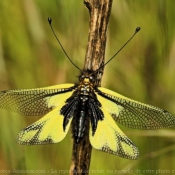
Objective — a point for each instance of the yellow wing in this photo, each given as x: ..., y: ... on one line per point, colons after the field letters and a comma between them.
x: 34, y: 102
x: 109, y: 138
x: 49, y: 129
x: 134, y: 114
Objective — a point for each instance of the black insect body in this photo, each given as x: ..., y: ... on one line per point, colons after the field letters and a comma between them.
x: 83, y: 106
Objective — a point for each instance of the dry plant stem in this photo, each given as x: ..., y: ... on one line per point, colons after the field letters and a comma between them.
x: 99, y: 17
x: 99, y: 11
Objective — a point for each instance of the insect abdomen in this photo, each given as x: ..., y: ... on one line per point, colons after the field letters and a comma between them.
x: 80, y: 119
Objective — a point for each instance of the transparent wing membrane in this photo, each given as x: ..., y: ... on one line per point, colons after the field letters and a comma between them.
x: 134, y: 114
x: 33, y: 102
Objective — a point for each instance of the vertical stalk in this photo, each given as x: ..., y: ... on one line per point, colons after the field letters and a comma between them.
x: 99, y: 11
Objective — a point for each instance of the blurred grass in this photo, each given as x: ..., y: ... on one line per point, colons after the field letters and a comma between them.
x: 145, y: 70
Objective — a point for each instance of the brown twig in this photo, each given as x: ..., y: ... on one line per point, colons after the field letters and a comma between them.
x: 99, y: 11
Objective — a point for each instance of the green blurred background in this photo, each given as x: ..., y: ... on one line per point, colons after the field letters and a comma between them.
x: 30, y: 57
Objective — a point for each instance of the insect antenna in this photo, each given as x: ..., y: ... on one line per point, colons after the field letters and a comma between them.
x: 50, y: 23
x: 136, y: 31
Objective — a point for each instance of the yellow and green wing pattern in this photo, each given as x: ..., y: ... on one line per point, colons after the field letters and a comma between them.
x: 109, y: 138
x: 49, y: 129
x: 134, y: 114
x: 34, y: 102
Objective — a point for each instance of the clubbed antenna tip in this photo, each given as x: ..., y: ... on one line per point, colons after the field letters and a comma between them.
x: 50, y: 20
x: 137, y: 29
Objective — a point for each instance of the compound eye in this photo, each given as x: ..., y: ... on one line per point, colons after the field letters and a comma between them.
x: 91, y: 78
x: 81, y: 77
